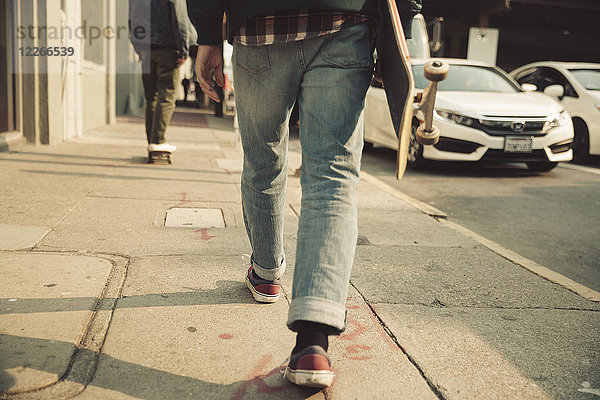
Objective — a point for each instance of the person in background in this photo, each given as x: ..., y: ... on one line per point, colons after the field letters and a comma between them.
x: 186, y: 89
x: 319, y: 52
x: 161, y: 34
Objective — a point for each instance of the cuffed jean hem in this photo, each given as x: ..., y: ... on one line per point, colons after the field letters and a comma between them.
x: 315, y: 309
x: 268, y: 274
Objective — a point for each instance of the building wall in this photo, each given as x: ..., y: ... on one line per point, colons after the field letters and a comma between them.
x: 94, y: 87
x: 6, y: 119
x: 72, y: 100
x: 58, y: 98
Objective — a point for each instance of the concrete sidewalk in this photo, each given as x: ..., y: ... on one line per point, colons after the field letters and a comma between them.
x: 100, y: 300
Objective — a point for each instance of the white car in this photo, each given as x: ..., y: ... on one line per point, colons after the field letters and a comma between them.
x: 482, y: 114
x: 578, y: 92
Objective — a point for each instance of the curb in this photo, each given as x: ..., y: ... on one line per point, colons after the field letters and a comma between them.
x: 423, y: 207
x: 532, y: 266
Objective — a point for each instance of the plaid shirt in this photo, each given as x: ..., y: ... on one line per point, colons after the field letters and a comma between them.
x: 293, y: 25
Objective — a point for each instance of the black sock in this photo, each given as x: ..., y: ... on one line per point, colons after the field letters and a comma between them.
x: 310, y: 334
x: 255, y: 275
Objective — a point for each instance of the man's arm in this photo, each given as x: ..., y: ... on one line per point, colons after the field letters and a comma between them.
x: 207, y: 16
x: 184, y: 31
x: 408, y: 9
x: 132, y: 10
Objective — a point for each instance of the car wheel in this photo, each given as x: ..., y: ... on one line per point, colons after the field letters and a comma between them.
x: 415, y: 158
x: 541, y: 166
x: 581, y: 142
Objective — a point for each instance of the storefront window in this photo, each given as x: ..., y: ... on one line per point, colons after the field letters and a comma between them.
x: 92, y: 20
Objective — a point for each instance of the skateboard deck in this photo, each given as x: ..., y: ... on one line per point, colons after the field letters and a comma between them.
x: 396, y: 73
x: 159, y: 157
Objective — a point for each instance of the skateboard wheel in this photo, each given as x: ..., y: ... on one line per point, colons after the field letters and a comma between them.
x: 428, y: 138
x: 436, y: 70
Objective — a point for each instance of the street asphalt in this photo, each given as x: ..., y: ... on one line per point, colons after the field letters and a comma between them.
x: 124, y: 280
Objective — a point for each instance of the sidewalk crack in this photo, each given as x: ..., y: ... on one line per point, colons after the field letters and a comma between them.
x: 393, y: 337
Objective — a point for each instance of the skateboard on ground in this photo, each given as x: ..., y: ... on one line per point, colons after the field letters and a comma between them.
x: 398, y: 82
x: 159, y: 157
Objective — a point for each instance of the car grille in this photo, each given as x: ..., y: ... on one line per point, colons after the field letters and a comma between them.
x: 502, y: 126
x: 500, y: 155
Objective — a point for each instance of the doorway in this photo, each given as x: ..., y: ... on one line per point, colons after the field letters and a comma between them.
x: 7, y: 93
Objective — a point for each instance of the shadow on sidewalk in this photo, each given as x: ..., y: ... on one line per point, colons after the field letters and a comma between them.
x: 188, y: 119
x: 227, y: 292
x: 140, y: 381
x: 124, y: 177
x: 136, y: 163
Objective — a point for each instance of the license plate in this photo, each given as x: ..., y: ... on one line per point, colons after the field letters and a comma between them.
x: 517, y: 144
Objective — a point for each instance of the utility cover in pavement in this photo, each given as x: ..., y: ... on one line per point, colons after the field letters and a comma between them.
x: 194, y: 218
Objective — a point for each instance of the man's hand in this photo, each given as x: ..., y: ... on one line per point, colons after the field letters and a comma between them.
x: 210, y: 58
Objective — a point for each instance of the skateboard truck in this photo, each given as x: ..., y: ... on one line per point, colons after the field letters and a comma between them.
x: 434, y: 71
x: 159, y: 157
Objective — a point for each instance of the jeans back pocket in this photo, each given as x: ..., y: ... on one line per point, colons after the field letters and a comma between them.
x: 254, y: 59
x: 349, y: 48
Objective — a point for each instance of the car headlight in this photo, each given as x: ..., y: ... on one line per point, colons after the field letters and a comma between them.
x: 558, y: 119
x: 456, y: 117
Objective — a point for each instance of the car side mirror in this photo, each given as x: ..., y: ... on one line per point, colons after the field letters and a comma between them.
x: 528, y: 87
x: 556, y: 91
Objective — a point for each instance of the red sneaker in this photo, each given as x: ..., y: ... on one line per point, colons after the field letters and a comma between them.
x: 262, y: 290
x: 311, y: 367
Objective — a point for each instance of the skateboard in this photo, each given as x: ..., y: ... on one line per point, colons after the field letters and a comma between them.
x: 399, y: 83
x: 159, y: 157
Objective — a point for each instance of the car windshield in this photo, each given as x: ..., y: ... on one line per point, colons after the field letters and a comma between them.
x: 471, y: 78
x: 589, y: 78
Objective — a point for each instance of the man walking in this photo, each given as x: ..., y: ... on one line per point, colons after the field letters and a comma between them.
x: 161, y: 33
x: 320, y: 53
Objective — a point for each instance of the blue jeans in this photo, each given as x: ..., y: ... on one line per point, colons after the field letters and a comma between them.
x: 329, y: 76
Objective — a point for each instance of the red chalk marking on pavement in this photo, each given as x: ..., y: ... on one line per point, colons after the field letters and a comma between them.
x: 183, y: 199
x: 349, y: 307
x: 386, y: 337
x: 204, y: 232
x: 356, y: 349
x: 225, y: 336
x: 360, y: 329
x: 259, y: 380
x: 263, y: 387
x: 262, y: 363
